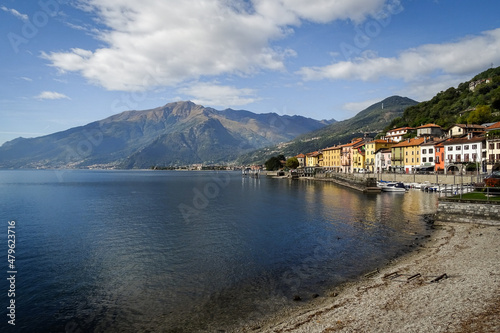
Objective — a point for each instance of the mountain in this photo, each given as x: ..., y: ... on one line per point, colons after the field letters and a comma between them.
x: 369, y: 121
x: 176, y: 134
x: 458, y: 105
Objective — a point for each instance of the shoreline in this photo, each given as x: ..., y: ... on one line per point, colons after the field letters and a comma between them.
x: 401, y: 297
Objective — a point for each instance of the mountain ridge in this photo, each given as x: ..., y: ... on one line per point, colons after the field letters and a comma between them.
x: 174, y: 134
x: 370, y: 121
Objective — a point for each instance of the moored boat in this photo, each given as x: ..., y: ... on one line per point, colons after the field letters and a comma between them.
x: 393, y: 187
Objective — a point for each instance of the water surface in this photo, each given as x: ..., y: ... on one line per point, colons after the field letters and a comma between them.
x: 129, y: 251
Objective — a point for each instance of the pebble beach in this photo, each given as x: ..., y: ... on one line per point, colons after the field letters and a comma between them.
x: 451, y: 283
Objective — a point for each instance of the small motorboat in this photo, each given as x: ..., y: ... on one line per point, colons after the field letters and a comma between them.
x: 394, y: 187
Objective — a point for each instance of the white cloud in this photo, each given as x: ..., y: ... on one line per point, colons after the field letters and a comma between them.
x: 14, y: 12
x: 467, y: 56
x: 359, y: 106
x: 160, y: 43
x: 51, y: 95
x: 26, y: 78
x: 218, y: 95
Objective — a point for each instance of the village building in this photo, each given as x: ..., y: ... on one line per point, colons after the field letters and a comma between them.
x: 493, y: 147
x: 474, y: 84
x: 406, y: 155
x: 430, y: 130
x: 382, y: 160
x: 427, y: 156
x: 397, y: 134
x: 460, y: 152
x: 371, y: 148
x: 439, y: 157
x: 358, y: 157
x: 460, y: 130
x: 346, y: 157
x: 302, y: 160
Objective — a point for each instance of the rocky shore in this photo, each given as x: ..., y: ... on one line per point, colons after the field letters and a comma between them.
x: 451, y: 283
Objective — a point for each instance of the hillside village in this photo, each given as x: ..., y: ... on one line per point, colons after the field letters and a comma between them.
x: 429, y: 148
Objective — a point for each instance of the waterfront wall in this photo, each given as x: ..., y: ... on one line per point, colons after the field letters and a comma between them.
x: 417, y: 178
x: 465, y: 211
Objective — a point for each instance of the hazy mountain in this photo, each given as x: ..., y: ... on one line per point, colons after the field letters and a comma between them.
x: 369, y: 121
x: 177, y: 133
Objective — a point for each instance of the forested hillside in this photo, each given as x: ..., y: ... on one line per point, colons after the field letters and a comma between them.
x: 460, y: 105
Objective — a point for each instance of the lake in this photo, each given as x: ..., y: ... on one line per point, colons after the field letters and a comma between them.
x: 179, y: 251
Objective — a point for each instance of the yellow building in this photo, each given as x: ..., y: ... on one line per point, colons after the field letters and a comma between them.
x: 313, y: 159
x: 371, y: 148
x: 406, y: 154
x: 358, y: 156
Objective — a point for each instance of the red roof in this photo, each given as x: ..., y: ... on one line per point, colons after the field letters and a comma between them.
x: 429, y: 125
x: 410, y: 143
x: 493, y: 127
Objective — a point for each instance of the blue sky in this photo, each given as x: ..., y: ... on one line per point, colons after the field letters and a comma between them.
x: 65, y: 63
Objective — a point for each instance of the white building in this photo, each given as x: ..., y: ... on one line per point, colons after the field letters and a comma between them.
x: 397, y: 134
x: 493, y: 147
x: 427, y: 154
x: 462, y: 151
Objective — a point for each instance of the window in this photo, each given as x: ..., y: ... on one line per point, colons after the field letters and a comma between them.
x: 466, y: 157
x: 424, y: 151
x: 437, y: 159
x: 431, y: 151
x: 458, y: 148
x: 474, y: 157
x: 450, y: 148
x: 474, y: 146
x: 466, y: 147
x: 431, y: 159
x: 417, y: 159
x: 412, y: 160
x: 450, y: 157
x: 498, y: 145
x: 407, y: 160
x: 438, y: 150
x: 498, y: 157
x: 424, y: 159
x: 457, y: 156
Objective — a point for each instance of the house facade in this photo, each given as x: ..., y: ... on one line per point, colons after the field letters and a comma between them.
x: 358, y: 156
x: 371, y: 148
x: 406, y: 155
x: 302, y: 160
x: 382, y: 160
x: 460, y: 152
x: 346, y: 155
x: 428, y: 155
x: 493, y: 147
x: 396, y: 135
x: 439, y: 157
x: 430, y: 130
x: 459, y: 130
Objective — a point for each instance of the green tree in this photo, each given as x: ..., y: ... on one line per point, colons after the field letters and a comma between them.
x: 480, y: 115
x: 292, y: 163
x: 274, y: 163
